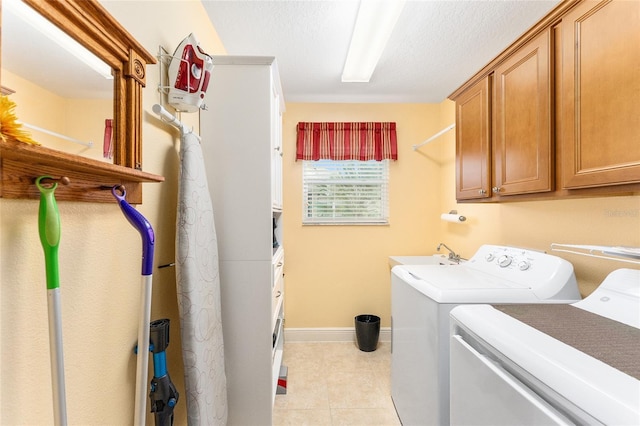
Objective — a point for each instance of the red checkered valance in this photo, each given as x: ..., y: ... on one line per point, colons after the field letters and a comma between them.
x: 347, y: 141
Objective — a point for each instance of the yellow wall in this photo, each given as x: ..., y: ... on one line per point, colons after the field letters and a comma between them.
x: 99, y: 266
x: 336, y: 272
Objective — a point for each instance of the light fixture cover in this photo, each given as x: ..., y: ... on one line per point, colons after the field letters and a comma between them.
x: 374, y: 25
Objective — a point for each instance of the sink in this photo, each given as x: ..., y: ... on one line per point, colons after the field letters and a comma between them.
x: 434, y: 259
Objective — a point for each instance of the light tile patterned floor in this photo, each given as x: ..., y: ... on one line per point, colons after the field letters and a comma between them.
x: 335, y: 383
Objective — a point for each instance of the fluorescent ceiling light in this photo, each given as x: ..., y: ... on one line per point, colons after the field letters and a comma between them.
x: 374, y: 24
x: 55, y: 34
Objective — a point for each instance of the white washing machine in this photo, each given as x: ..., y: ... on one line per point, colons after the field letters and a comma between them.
x: 575, y: 364
x: 422, y: 297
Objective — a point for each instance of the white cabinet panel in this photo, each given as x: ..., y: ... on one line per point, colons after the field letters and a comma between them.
x: 241, y: 140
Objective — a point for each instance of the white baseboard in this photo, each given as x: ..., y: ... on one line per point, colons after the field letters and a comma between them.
x: 334, y: 334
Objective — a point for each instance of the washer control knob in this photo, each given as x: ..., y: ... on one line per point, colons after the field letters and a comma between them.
x: 524, y: 265
x: 489, y: 257
x: 504, y: 261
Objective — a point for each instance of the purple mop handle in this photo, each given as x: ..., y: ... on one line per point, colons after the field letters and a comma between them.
x: 142, y: 225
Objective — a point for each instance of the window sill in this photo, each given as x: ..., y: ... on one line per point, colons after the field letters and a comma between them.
x: 21, y: 164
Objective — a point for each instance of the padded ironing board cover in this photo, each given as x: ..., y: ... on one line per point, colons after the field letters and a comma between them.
x: 198, y: 288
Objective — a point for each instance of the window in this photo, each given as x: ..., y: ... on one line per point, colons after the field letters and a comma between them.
x: 345, y: 192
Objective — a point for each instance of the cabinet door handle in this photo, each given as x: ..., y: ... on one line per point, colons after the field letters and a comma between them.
x: 278, y: 294
x: 482, y: 191
x: 496, y: 189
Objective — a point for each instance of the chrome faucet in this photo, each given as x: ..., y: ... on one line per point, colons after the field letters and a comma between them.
x: 452, y: 255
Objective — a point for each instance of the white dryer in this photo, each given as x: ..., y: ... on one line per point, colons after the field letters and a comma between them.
x: 422, y: 297
x: 575, y: 364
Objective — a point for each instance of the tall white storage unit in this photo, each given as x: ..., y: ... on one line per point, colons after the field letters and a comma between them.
x: 241, y: 141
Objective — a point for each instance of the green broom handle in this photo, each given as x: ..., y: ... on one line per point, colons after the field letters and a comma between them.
x: 49, y: 229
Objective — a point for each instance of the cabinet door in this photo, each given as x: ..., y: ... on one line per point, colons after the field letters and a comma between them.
x: 472, y: 142
x: 601, y: 94
x: 276, y: 152
x: 522, y: 142
x: 277, y: 284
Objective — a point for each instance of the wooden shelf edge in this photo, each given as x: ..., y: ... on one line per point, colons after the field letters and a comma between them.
x: 21, y: 164
x: 623, y: 190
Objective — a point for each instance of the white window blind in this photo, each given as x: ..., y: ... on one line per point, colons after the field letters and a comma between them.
x: 345, y: 192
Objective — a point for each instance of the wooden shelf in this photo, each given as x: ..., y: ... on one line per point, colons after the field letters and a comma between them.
x: 21, y: 164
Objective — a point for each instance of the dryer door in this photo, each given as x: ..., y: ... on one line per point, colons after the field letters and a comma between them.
x: 483, y: 393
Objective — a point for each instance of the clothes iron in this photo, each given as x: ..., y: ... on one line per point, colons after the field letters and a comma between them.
x: 189, y: 73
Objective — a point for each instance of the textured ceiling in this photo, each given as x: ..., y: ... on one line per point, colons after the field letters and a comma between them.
x: 435, y: 47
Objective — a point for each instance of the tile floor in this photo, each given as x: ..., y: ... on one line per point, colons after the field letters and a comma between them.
x: 334, y: 383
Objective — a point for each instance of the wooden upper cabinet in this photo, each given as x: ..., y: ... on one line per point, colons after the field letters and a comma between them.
x: 473, y: 132
x: 600, y: 117
x: 557, y: 113
x: 522, y: 136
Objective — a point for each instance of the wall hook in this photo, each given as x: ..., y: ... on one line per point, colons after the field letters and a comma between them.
x: 52, y: 181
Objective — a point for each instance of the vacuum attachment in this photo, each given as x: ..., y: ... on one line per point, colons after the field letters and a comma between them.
x: 164, y: 395
x: 189, y: 74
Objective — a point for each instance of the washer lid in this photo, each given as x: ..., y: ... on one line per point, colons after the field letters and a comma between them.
x: 458, y: 277
x: 458, y: 284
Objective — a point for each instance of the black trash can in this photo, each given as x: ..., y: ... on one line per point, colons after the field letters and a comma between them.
x: 367, y: 332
